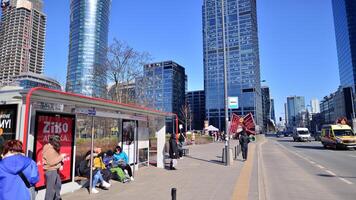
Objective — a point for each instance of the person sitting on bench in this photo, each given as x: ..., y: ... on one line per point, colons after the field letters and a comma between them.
x: 121, y: 159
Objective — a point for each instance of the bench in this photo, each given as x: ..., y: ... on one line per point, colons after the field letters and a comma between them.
x: 185, y: 151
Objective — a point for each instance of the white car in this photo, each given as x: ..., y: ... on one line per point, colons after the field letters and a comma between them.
x: 301, y: 134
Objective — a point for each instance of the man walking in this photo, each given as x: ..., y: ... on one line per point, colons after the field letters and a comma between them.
x: 244, y: 140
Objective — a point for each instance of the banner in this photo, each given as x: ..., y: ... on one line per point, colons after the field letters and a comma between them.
x: 235, y: 122
x: 249, y: 124
x: 8, y: 118
x: 48, y: 124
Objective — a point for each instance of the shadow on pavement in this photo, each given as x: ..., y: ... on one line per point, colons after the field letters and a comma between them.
x: 209, y: 161
x: 310, y: 147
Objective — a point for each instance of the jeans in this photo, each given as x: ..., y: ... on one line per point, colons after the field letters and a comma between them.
x: 97, y: 178
x: 53, y: 185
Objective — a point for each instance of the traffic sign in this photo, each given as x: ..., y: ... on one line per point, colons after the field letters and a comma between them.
x: 233, y: 102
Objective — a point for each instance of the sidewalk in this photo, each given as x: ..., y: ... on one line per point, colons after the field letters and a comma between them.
x: 201, y: 175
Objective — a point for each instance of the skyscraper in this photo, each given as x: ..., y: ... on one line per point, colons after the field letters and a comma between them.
x: 273, y: 114
x: 22, y: 38
x: 315, y: 106
x: 164, y: 87
x: 266, y: 106
x: 196, y: 103
x: 345, y: 31
x: 295, y: 108
x: 89, y: 24
x: 242, y: 57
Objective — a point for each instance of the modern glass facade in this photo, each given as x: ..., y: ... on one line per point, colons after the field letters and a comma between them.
x: 266, y: 106
x: 196, y: 103
x: 243, y: 66
x: 89, y: 23
x: 295, y: 107
x: 165, y: 86
x: 345, y: 31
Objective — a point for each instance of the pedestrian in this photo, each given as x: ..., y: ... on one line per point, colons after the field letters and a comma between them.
x: 181, y: 142
x: 173, y: 152
x: 52, y: 162
x: 18, y: 173
x: 244, y: 140
x: 120, y: 157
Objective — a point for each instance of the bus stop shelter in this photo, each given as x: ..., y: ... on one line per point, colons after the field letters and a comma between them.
x: 83, y: 123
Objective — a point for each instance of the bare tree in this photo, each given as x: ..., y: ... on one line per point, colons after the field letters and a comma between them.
x: 123, y: 66
x: 186, y: 115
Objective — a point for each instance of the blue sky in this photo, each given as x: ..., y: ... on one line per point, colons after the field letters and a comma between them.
x: 297, y: 41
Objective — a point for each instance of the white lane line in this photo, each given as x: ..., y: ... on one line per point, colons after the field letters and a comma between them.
x: 354, y: 156
x: 312, y: 162
x: 330, y: 172
x: 346, y: 181
x: 321, y: 167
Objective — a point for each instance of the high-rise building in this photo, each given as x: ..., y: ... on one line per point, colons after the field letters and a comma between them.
x: 266, y: 107
x: 315, y: 106
x: 165, y: 86
x: 22, y: 38
x: 242, y: 58
x: 273, y: 114
x: 295, y: 109
x: 88, y: 40
x: 196, y: 103
x: 345, y: 32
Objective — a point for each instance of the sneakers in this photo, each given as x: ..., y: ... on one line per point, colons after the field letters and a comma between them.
x: 94, y: 191
x: 132, y: 178
x: 105, y: 184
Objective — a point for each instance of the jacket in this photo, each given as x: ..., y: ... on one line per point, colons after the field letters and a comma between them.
x: 52, y: 160
x: 12, y: 186
x: 121, y: 156
x: 98, y: 163
x: 173, y: 148
x: 244, y: 140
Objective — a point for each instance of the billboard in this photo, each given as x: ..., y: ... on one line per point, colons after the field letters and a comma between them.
x: 8, y: 119
x: 48, y: 124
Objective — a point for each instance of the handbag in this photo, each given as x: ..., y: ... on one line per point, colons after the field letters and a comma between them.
x: 31, y: 188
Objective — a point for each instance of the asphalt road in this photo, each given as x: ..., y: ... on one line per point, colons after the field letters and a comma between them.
x: 305, y: 170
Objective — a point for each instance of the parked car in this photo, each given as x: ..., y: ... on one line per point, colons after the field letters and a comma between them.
x: 287, y: 133
x: 280, y: 134
x: 301, y: 134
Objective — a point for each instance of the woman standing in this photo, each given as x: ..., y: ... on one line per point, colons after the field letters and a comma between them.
x: 173, y: 152
x: 52, y: 161
x: 17, y: 173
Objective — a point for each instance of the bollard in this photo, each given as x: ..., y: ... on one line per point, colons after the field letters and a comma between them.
x: 174, y: 193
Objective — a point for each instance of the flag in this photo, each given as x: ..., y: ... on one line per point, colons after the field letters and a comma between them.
x: 235, y: 122
x: 249, y: 124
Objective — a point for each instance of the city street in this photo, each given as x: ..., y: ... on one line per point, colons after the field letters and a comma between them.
x: 296, y: 170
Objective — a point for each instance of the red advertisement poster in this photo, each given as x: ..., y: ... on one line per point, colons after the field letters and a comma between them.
x: 48, y: 124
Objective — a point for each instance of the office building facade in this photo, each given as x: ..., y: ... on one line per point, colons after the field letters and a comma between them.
x: 315, y: 106
x: 242, y: 59
x: 266, y: 107
x: 345, y: 32
x: 273, y: 113
x: 196, y: 103
x: 88, y: 40
x: 30, y: 80
x: 165, y: 85
x: 295, y: 110
x: 22, y: 38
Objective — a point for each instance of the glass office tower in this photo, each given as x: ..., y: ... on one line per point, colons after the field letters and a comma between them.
x: 345, y: 32
x: 89, y: 23
x: 243, y: 66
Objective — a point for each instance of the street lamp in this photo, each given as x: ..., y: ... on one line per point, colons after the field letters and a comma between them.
x: 227, y: 143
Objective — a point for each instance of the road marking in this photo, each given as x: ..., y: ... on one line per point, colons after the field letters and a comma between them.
x: 346, y: 181
x: 242, y: 185
x: 330, y: 172
x: 312, y: 162
x: 354, y: 156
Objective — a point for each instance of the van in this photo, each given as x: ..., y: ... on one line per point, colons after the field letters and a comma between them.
x: 301, y: 134
x: 338, y: 136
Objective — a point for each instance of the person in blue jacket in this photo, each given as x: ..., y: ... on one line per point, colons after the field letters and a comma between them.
x: 121, y: 159
x: 17, y: 173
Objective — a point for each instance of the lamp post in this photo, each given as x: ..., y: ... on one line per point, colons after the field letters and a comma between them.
x: 227, y: 142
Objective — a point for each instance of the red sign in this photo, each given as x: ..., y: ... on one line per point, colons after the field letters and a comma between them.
x: 235, y: 122
x: 48, y: 124
x: 249, y: 124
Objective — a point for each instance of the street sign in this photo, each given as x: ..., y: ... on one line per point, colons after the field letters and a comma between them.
x: 233, y: 102
x: 86, y: 111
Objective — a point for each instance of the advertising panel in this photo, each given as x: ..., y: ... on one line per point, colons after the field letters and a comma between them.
x: 48, y: 124
x: 8, y: 118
